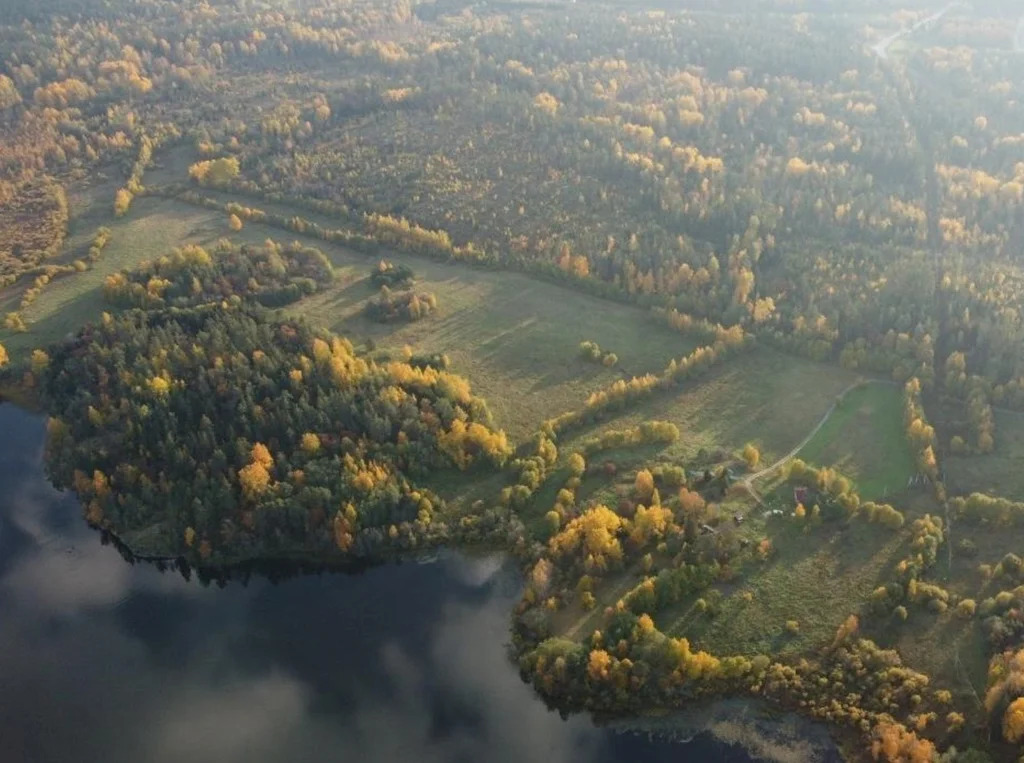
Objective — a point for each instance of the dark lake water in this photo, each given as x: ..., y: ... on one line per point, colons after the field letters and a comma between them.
x: 101, y: 660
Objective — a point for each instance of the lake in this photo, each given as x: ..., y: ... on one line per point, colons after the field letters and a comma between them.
x: 102, y: 660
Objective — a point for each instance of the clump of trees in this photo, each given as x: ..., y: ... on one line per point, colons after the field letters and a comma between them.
x: 591, y: 352
x: 391, y: 275
x: 389, y: 306
x: 271, y: 274
x: 834, y: 492
x: 980, y: 508
x: 1004, y: 698
x: 125, y: 195
x: 751, y: 456
x: 921, y: 435
x: 215, y: 172
x: 648, y: 432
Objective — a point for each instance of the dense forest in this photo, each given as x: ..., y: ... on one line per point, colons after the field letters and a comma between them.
x: 219, y: 429
x: 745, y: 276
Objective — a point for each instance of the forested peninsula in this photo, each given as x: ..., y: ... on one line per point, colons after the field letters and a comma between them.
x: 709, y: 316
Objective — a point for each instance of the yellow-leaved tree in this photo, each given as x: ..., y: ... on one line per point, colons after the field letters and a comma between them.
x: 751, y: 455
x: 644, y: 485
x: 255, y: 477
x: 4, y: 358
x: 310, y: 442
x: 1013, y: 721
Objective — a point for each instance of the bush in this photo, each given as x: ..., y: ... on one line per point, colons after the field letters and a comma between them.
x: 391, y: 275
x: 966, y: 609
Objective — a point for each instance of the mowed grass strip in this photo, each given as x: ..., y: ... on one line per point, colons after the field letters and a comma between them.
x: 761, y: 396
x: 864, y: 439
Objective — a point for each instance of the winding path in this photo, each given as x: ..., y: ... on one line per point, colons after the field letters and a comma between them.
x: 748, y: 481
x: 881, y: 48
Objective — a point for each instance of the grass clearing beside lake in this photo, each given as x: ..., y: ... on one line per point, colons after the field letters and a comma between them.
x: 516, y: 338
x: 816, y: 578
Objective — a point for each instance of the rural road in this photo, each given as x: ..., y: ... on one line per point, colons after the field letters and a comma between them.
x: 881, y: 48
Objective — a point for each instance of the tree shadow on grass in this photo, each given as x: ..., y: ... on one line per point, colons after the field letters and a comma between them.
x: 86, y: 308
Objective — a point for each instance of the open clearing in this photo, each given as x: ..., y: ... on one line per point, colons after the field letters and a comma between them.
x: 760, y: 396
x: 863, y: 438
x: 151, y: 228
x: 817, y: 578
x: 997, y: 473
x: 516, y: 338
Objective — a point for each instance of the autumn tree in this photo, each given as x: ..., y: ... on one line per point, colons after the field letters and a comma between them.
x: 644, y: 485
x: 39, y: 361
x: 691, y: 503
x: 751, y: 456
x: 215, y: 172
x: 1013, y: 721
x: 122, y: 202
x: 4, y: 358
x: 894, y: 743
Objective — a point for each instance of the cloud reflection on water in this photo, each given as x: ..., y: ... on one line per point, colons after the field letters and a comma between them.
x: 102, y: 660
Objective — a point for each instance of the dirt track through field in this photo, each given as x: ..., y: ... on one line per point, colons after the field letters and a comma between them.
x: 748, y: 481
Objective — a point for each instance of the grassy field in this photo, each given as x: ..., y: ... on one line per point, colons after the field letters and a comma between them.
x: 151, y: 228
x: 864, y: 439
x: 761, y: 396
x: 817, y: 578
x: 514, y: 337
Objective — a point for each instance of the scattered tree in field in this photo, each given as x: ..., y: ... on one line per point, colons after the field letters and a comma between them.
x: 234, y: 223
x: 39, y: 361
x: 751, y: 456
x: 643, y: 486
x: 14, y: 322
x: 590, y: 351
x: 393, y: 276
x: 4, y: 358
x: 391, y: 306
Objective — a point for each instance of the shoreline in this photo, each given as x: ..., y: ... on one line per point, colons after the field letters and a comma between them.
x: 764, y: 730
